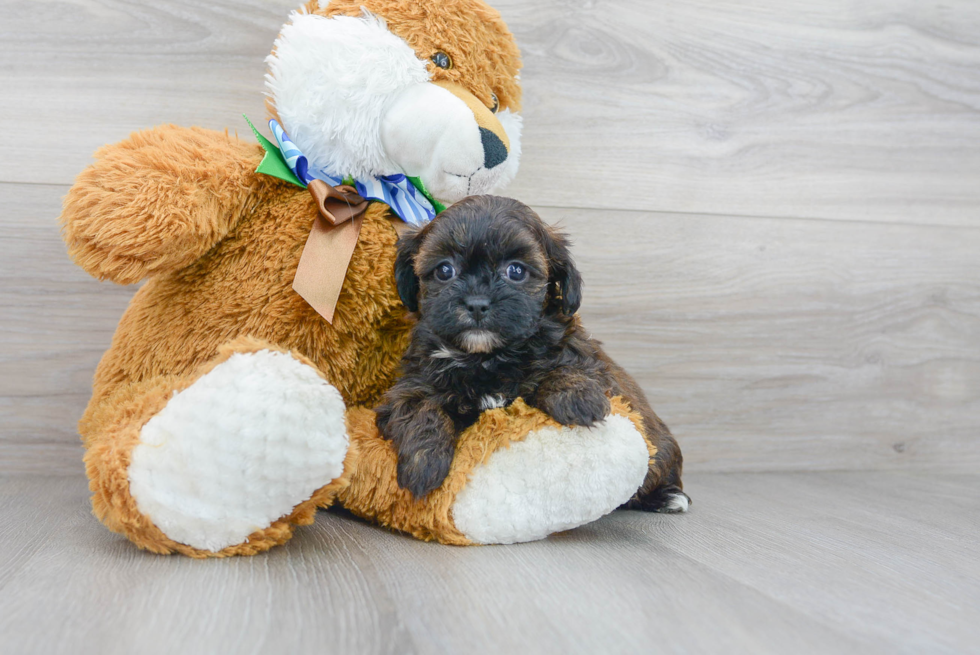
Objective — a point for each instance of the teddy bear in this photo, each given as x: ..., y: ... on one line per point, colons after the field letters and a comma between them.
x: 236, y: 396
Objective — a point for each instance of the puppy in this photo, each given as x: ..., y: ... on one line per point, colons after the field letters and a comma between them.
x: 496, y: 292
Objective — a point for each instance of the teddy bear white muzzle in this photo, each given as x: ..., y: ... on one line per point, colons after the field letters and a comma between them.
x: 431, y: 132
x: 357, y: 100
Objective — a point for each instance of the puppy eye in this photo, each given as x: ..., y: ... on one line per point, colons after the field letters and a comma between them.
x: 445, y: 272
x: 517, y: 272
x: 496, y: 103
x: 442, y: 60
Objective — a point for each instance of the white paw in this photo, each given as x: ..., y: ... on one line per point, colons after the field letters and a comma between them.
x: 555, y: 479
x: 677, y: 503
x: 238, y: 449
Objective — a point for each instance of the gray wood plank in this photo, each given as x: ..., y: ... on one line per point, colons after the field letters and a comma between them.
x: 891, y: 557
x: 778, y: 108
x: 101, y: 69
x: 765, y: 344
x: 765, y: 563
x: 771, y: 344
x: 55, y: 323
x: 837, y: 110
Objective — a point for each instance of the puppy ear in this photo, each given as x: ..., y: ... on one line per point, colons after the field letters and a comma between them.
x: 405, y: 278
x: 564, y: 280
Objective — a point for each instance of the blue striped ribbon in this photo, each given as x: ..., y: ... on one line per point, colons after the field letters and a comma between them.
x: 396, y: 191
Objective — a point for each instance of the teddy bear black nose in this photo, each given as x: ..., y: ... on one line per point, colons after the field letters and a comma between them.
x: 494, y: 150
x: 477, y: 306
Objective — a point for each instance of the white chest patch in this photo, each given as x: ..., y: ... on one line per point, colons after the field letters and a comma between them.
x: 492, y: 402
x: 555, y: 479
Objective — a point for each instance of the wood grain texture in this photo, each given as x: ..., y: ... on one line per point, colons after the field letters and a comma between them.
x: 55, y: 323
x: 766, y: 344
x: 765, y: 563
x: 101, y: 69
x: 771, y: 344
x: 837, y: 110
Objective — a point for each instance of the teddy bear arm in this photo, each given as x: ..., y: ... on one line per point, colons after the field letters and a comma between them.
x: 158, y: 201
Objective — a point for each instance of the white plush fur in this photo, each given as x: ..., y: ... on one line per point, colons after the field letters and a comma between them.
x: 331, y: 79
x: 238, y: 449
x: 432, y: 134
x: 357, y: 100
x: 555, y: 479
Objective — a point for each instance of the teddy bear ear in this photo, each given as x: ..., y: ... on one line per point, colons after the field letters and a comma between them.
x: 405, y: 278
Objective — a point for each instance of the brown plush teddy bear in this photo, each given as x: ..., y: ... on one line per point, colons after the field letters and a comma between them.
x: 219, y: 417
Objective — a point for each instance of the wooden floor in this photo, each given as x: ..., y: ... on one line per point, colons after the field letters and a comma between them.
x: 776, y: 210
x: 882, y: 562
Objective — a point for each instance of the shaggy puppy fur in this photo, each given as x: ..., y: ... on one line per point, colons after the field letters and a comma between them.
x: 496, y: 293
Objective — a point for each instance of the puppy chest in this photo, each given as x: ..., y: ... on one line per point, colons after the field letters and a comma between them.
x: 472, y: 395
x: 494, y: 401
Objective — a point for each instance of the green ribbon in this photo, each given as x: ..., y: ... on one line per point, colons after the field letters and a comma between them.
x: 274, y: 164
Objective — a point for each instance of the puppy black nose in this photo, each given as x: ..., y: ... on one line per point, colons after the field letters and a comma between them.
x: 494, y: 150
x: 477, y: 306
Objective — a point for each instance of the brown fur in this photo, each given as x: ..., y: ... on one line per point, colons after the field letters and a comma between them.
x: 113, y: 427
x: 372, y: 489
x: 243, y: 285
x: 220, y: 245
x: 540, y: 351
x: 444, y: 27
x: 484, y: 55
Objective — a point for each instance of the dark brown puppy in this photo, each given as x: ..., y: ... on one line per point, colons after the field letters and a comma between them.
x: 496, y: 293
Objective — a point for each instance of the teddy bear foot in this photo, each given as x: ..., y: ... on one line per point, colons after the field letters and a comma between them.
x: 556, y: 479
x: 238, y: 449
x: 517, y: 476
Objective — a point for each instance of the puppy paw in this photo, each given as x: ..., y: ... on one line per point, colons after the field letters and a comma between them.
x: 663, y: 500
x: 425, y: 441
x: 422, y: 470
x: 585, y: 405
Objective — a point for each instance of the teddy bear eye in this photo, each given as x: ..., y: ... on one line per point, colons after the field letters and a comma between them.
x: 517, y: 272
x: 445, y: 272
x: 442, y: 60
x: 496, y: 103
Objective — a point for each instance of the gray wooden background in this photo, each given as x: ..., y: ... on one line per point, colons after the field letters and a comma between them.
x: 776, y: 206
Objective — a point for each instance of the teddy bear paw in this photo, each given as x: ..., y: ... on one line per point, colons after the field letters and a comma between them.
x: 238, y: 449
x: 555, y: 479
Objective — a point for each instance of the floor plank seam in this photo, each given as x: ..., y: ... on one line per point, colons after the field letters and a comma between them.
x: 815, y: 219
x: 52, y: 184
x: 663, y: 212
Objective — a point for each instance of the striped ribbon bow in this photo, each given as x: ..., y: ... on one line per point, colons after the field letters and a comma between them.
x: 396, y: 191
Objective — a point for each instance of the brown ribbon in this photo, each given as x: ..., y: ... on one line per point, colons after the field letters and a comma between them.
x: 330, y: 246
x: 337, y: 204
